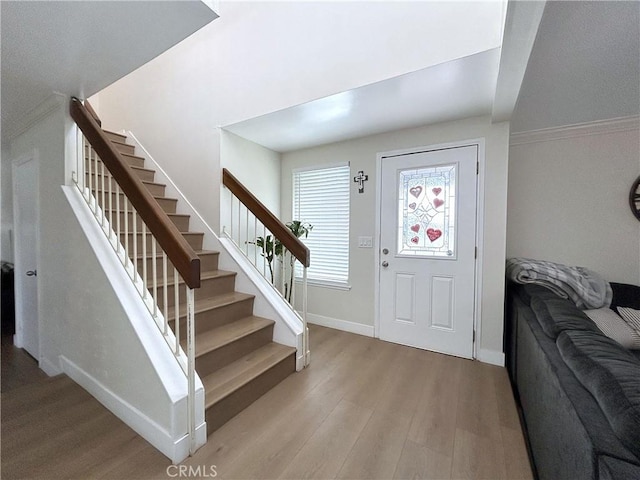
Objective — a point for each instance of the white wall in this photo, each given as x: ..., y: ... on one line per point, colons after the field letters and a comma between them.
x: 6, y: 214
x: 357, y: 305
x: 259, y: 57
x: 255, y: 166
x: 568, y: 201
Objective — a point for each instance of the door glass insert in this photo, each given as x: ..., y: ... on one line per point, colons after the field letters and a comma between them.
x: 426, y: 211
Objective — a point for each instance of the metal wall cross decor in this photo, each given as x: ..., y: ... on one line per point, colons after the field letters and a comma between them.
x: 360, y: 179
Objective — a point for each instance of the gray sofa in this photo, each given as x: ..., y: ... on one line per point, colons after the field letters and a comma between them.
x: 578, y: 391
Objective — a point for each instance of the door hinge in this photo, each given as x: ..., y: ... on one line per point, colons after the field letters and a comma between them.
x: 474, y: 336
x: 477, y: 168
x: 475, y: 254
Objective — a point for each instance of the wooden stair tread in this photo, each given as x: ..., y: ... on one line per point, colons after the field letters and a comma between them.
x: 198, y: 252
x: 211, y: 303
x: 143, y: 181
x: 114, y: 133
x: 183, y: 233
x: 227, y: 380
x: 133, y: 156
x: 203, y: 276
x: 120, y: 143
x: 224, y: 335
x: 129, y: 212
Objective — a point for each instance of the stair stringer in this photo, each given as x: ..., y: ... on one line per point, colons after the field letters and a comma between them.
x: 131, y: 370
x: 268, y: 303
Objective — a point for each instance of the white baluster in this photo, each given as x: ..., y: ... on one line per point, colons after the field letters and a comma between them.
x: 154, y: 272
x: 176, y: 299
x: 88, y: 197
x: 104, y: 205
x: 126, y: 230
x: 305, y: 332
x: 134, y: 214
x: 239, y: 223
x: 246, y: 233
x: 144, y: 261
x: 255, y: 237
x: 118, y: 218
x: 191, y: 375
x: 165, y: 297
x: 110, y: 179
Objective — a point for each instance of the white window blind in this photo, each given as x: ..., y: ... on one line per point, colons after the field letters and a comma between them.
x: 321, y: 198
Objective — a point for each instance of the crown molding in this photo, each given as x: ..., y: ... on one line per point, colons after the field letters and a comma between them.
x: 612, y: 125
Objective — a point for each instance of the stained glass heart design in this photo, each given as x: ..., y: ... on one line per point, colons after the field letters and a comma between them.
x: 415, y: 191
x: 416, y: 228
x: 412, y: 206
x: 438, y: 202
x: 436, y: 191
x: 415, y: 240
x: 434, y: 234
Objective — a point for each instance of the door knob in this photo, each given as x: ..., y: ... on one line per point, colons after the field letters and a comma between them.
x: 385, y: 264
x: 32, y: 273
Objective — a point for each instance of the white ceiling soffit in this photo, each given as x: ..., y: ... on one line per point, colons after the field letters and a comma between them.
x: 585, y: 66
x: 521, y: 26
x: 457, y: 89
x: 79, y: 48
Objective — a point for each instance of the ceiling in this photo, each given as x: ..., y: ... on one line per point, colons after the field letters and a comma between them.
x: 457, y: 89
x: 52, y: 46
x: 584, y: 66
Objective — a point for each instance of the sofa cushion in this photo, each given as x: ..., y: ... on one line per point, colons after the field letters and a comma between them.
x: 614, y: 326
x: 612, y: 375
x: 615, y: 469
x: 556, y: 315
x: 631, y: 316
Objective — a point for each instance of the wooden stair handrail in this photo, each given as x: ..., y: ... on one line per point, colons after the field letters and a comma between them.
x: 182, y: 256
x: 268, y: 219
x: 92, y: 112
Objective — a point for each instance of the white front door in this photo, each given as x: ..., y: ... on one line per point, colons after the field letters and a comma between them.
x: 427, y: 249
x: 25, y: 217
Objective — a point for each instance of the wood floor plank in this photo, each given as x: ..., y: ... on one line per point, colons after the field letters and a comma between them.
x: 421, y: 463
x: 325, y: 452
x: 379, y: 447
x: 282, y: 440
x: 516, y: 459
x: 477, y: 457
x: 507, y: 411
x: 434, y: 422
x: 477, y: 401
x: 363, y: 409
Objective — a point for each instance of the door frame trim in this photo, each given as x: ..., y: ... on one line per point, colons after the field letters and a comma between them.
x: 480, y: 143
x: 18, y: 278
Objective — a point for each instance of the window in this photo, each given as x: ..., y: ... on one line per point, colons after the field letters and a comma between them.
x: 321, y: 198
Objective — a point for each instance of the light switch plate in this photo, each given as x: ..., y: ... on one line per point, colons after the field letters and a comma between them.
x: 365, y: 242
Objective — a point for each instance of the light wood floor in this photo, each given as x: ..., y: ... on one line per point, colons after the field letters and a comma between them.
x: 363, y: 409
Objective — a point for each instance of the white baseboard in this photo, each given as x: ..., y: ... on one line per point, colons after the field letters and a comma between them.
x: 344, y: 325
x: 492, y: 357
x: 49, y: 367
x: 176, y: 450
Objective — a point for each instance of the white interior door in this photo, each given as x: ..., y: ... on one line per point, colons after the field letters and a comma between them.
x: 25, y: 217
x: 427, y: 249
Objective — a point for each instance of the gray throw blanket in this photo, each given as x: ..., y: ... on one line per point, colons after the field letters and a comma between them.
x: 584, y: 287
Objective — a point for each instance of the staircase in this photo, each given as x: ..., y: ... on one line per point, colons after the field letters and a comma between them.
x: 236, y: 358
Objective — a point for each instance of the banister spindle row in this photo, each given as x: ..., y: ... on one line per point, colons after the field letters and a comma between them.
x: 102, y: 174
